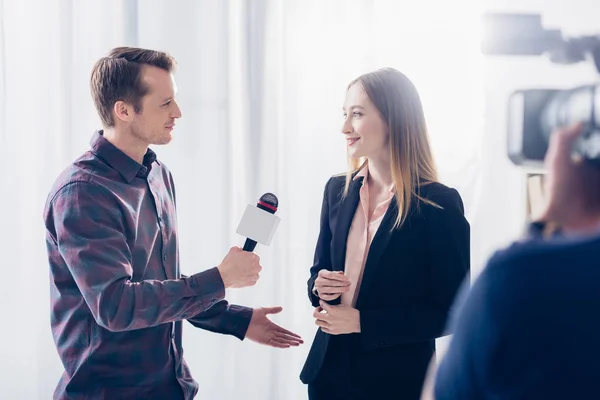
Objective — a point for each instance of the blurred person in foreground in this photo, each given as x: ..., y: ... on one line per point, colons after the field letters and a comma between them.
x: 528, y: 328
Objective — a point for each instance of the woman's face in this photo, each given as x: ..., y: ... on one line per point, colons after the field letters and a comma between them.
x: 366, y: 132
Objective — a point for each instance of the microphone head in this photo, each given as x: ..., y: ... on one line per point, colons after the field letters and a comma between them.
x: 268, y: 202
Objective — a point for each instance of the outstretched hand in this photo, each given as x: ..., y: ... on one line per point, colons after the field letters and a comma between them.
x: 264, y: 331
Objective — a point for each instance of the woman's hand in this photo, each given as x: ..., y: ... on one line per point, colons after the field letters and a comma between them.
x: 331, y: 284
x: 337, y: 320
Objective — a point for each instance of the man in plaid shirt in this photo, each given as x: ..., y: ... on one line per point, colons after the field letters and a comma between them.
x: 117, y: 295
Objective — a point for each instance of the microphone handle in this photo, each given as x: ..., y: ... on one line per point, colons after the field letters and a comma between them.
x: 249, y: 245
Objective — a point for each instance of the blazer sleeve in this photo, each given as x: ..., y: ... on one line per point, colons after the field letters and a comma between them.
x: 322, y: 258
x: 448, y: 263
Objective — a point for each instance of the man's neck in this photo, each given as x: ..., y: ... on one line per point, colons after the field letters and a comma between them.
x: 127, y: 143
x: 585, y: 227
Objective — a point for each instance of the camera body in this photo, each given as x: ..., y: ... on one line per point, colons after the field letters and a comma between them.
x: 533, y: 114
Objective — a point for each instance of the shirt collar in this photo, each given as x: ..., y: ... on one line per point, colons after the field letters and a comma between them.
x: 364, y: 173
x: 121, y: 162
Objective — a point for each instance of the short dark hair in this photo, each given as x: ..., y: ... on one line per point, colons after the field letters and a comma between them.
x: 117, y: 77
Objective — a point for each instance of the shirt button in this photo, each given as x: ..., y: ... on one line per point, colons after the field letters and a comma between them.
x: 165, y: 257
x: 159, y: 219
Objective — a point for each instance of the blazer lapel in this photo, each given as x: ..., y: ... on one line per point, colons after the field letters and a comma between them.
x: 378, y: 246
x: 342, y: 227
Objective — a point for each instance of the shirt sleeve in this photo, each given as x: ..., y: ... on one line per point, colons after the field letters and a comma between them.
x: 90, y: 235
x: 225, y: 318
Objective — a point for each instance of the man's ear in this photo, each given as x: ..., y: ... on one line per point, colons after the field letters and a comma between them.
x: 123, y: 111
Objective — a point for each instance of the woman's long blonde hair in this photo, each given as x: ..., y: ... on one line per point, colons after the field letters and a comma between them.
x: 412, y: 164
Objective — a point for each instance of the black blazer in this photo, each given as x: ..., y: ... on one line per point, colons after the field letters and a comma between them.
x: 409, y: 282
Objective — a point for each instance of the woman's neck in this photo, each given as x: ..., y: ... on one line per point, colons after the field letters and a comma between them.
x: 380, y: 173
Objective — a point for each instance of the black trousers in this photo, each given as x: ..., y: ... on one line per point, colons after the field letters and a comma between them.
x: 340, y: 377
x: 332, y: 389
x: 335, y: 380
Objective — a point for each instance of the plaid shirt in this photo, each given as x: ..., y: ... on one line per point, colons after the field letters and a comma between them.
x: 117, y: 295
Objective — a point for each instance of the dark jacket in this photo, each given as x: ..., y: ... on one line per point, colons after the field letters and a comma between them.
x: 409, y: 282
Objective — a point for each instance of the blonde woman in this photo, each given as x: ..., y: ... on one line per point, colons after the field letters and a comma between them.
x: 392, y: 251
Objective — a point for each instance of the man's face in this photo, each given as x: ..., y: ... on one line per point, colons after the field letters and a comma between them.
x: 154, y: 124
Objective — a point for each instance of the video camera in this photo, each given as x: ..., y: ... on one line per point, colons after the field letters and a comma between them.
x: 533, y: 114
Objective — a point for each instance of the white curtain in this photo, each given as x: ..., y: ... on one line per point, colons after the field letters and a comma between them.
x: 261, y: 84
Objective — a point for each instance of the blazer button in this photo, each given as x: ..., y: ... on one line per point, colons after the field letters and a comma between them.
x: 165, y: 257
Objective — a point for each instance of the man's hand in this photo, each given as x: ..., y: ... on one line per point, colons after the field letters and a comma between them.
x: 331, y: 284
x: 262, y: 330
x: 239, y: 268
x: 572, y: 186
x: 337, y: 320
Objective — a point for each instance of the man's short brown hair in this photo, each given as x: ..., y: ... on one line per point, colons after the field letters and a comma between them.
x: 118, y: 77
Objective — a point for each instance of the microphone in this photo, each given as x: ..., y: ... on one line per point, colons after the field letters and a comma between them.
x: 259, y: 223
